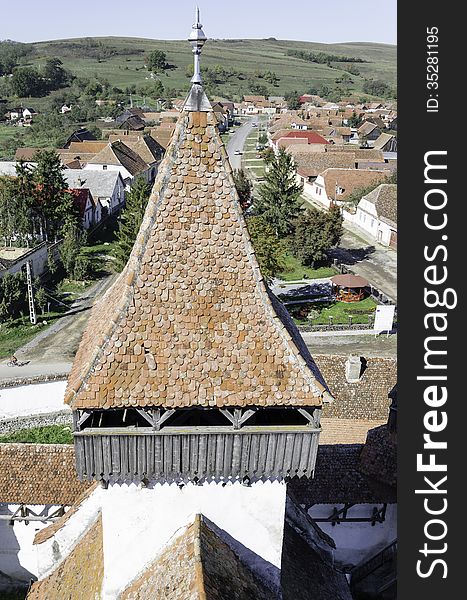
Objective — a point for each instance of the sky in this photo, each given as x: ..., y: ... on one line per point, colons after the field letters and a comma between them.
x: 323, y: 21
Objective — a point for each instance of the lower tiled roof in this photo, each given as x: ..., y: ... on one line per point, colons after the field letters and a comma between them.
x: 346, y: 431
x: 305, y: 575
x: 198, y: 565
x: 79, y: 576
x: 39, y: 474
x: 339, y: 479
x: 366, y: 399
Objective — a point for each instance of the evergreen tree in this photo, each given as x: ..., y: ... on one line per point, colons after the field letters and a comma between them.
x: 269, y: 249
x: 130, y: 221
x: 278, y: 201
x: 244, y: 188
x: 57, y: 209
x: 13, y: 296
x: 316, y: 231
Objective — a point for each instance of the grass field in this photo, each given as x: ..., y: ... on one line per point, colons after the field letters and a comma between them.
x: 335, y: 313
x: 246, y: 56
x: 51, y: 434
x: 295, y: 270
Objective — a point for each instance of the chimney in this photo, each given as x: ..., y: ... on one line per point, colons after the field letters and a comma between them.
x: 353, y: 369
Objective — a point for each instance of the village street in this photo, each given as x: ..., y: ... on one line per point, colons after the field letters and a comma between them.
x: 237, y: 142
x: 366, y: 257
x: 52, y: 351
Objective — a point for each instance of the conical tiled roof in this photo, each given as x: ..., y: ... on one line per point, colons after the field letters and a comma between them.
x: 190, y: 321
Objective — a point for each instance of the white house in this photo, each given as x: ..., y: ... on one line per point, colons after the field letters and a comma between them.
x: 377, y: 214
x: 107, y: 187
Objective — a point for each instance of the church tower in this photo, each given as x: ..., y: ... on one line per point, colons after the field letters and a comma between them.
x: 190, y: 369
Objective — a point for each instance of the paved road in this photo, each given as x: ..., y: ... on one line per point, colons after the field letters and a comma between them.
x: 367, y: 258
x: 237, y: 141
x: 52, y: 351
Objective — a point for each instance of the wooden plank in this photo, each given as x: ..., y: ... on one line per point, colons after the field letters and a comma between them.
x: 115, y: 456
x: 237, y: 455
x: 80, y: 461
x: 220, y: 449
x: 141, y: 456
x: 106, y: 457
x: 89, y: 453
x: 176, y: 456
x: 132, y: 455
x: 203, y: 458
x: 245, y: 458
x: 158, y: 455
x: 124, y: 451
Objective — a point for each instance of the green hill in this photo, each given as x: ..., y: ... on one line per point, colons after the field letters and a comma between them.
x: 121, y: 62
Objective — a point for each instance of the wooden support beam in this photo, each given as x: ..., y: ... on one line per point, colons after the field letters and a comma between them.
x: 160, y: 418
x: 229, y: 415
x: 245, y: 416
x: 83, y: 416
x: 309, y: 416
x: 146, y: 415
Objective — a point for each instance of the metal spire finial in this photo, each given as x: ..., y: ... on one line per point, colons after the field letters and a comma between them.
x: 197, y: 40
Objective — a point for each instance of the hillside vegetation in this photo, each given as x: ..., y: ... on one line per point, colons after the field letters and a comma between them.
x: 121, y: 61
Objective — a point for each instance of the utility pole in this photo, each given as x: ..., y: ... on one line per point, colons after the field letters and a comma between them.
x: 32, y: 308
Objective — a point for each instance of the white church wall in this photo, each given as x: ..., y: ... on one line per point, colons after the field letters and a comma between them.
x: 143, y: 520
x: 54, y: 550
x: 18, y: 557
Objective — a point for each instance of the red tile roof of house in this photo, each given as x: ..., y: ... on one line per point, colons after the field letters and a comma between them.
x: 311, y: 136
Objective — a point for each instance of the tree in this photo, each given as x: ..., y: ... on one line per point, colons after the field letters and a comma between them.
x: 315, y: 232
x: 268, y: 248
x: 376, y: 87
x: 27, y: 82
x: 73, y: 241
x: 156, y: 61
x: 130, y: 221
x: 292, y: 99
x: 40, y: 297
x: 278, y: 201
x: 244, y: 188
x: 355, y: 120
x: 13, y: 296
x: 56, y: 207
x: 54, y: 75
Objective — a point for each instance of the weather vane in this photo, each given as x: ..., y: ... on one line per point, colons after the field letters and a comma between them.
x: 197, y: 40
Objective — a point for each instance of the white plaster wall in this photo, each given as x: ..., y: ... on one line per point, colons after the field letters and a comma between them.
x: 18, y: 557
x: 54, y: 550
x: 29, y: 400
x: 356, y: 542
x: 138, y: 523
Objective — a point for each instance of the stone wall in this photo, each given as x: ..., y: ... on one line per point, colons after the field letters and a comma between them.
x: 57, y: 418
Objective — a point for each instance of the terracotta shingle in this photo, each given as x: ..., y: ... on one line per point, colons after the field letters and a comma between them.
x: 39, y: 474
x: 190, y: 320
x: 80, y: 575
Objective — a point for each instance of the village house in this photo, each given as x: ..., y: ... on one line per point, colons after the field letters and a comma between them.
x: 117, y: 156
x: 386, y: 142
x: 297, y: 137
x: 333, y: 186
x: 13, y: 259
x: 107, y: 188
x: 288, y: 120
x: 310, y: 164
x: 368, y: 132
x: 377, y: 214
x: 80, y: 135
x: 90, y: 212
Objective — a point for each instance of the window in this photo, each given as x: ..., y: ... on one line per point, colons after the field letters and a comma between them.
x: 104, y: 167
